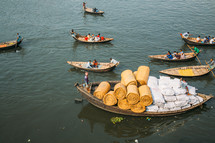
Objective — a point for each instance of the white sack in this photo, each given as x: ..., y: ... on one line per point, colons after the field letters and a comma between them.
x: 179, y: 91
x: 152, y: 82
x: 187, y: 106
x: 193, y: 99
x: 170, y: 98
x: 176, y: 83
x: 162, y: 109
x: 157, y: 96
x: 152, y: 108
x: 181, y: 103
x: 175, y: 109
x: 164, y: 82
x: 169, y: 105
x: 200, y: 98
x: 167, y: 91
x: 182, y: 97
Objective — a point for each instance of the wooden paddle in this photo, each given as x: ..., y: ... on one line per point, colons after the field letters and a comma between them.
x: 210, y: 69
x: 195, y: 54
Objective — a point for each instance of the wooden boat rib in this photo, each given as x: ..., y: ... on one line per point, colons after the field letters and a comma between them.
x: 192, y: 41
x: 188, y: 57
x: 81, y: 38
x: 90, y: 10
x: 115, y: 109
x: 189, y: 71
x: 9, y: 45
x: 103, y: 67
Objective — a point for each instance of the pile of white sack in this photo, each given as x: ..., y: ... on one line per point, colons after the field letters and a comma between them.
x: 170, y: 94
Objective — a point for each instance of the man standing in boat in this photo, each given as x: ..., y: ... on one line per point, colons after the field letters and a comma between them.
x: 19, y: 38
x: 84, y: 5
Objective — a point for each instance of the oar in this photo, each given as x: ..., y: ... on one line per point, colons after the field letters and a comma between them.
x: 195, y: 54
x: 211, y: 69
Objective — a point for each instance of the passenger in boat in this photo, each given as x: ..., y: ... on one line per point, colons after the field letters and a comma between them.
x: 212, y: 40
x: 84, y: 5
x: 186, y: 34
x: 205, y: 39
x: 178, y: 56
x: 174, y: 53
x: 95, y: 64
x: 181, y: 51
x: 208, y: 39
x: 102, y: 38
x: 198, y: 39
x: 196, y: 50
x: 97, y: 39
x: 89, y: 64
x: 182, y: 56
x: 19, y: 38
x: 211, y: 64
x: 113, y: 61
x: 86, y: 38
x: 169, y: 55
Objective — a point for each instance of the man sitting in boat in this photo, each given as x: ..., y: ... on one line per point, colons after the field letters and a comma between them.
x: 95, y: 10
x: 178, y: 56
x: 182, y: 56
x: 212, y: 40
x: 169, y: 55
x: 205, y: 39
x: 95, y: 64
x: 19, y: 38
x: 84, y: 5
x: 186, y: 35
x: 198, y: 39
x: 89, y: 64
x: 113, y: 61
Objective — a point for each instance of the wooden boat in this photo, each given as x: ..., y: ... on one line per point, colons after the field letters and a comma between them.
x: 115, y: 109
x: 102, y: 67
x: 188, y: 57
x: 10, y: 45
x: 192, y: 41
x: 91, y: 10
x: 81, y: 38
x: 189, y: 71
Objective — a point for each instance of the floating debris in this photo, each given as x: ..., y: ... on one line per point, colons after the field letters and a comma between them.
x: 148, y: 119
x: 115, y: 120
x: 78, y: 100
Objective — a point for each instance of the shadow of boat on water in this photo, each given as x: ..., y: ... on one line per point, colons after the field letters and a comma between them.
x: 17, y: 49
x: 137, y: 127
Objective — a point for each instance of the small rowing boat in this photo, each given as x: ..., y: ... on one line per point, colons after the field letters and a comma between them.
x: 193, y: 41
x: 10, y: 45
x: 93, y: 11
x: 102, y: 67
x: 115, y: 109
x: 188, y: 57
x: 81, y: 38
x: 189, y: 71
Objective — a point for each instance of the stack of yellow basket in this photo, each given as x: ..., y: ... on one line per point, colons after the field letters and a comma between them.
x: 131, y: 93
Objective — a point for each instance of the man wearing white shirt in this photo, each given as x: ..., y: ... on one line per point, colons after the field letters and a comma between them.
x: 212, y: 40
x: 113, y: 61
x: 89, y: 64
x: 186, y: 34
